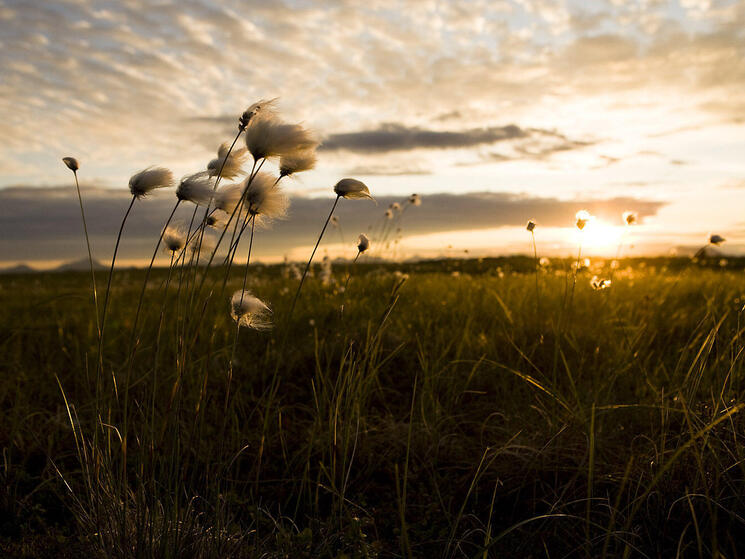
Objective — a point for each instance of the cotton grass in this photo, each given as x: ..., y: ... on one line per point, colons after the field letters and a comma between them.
x: 250, y: 311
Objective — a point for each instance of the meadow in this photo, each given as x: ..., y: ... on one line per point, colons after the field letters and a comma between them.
x: 455, y: 408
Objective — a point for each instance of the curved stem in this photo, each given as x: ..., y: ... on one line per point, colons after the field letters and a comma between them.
x: 147, y: 277
x: 133, y: 336
x: 90, y: 254
x: 108, y: 291
x: 307, y: 266
x: 535, y: 266
x: 238, y: 325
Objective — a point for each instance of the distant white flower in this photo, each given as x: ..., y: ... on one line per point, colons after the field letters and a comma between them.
x: 716, y: 240
x: 196, y: 188
x: 395, y: 207
x: 629, y: 218
x: 249, y: 311
x: 174, y: 239
x: 389, y: 214
x: 233, y: 163
x: 352, y: 188
x: 334, y: 221
x: 363, y: 243
x: 723, y: 263
x: 544, y: 262
x: 530, y: 226
x: 583, y: 217
x: 415, y: 200
x: 297, y: 162
x: 144, y: 182
x: 71, y: 163
x: 266, y: 136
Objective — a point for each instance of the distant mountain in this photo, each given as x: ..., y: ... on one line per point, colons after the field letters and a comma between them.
x: 19, y: 269
x: 79, y: 265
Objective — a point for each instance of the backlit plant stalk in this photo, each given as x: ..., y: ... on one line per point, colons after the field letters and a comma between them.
x: 73, y: 165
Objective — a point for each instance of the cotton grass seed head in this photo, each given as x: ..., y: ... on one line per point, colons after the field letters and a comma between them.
x: 415, y: 200
x: 71, y: 163
x: 297, y: 162
x: 582, y: 217
x: 228, y: 197
x: 716, y: 240
x: 264, y: 198
x: 196, y: 188
x: 396, y: 207
x: 263, y: 107
x: 249, y: 311
x: 363, y: 243
x: 218, y: 219
x: 147, y: 180
x: 174, y: 239
x: 389, y: 214
x: 231, y: 165
x: 629, y: 218
x: 352, y: 189
x: 266, y: 136
x: 530, y: 226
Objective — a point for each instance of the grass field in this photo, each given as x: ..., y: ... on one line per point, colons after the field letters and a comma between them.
x: 453, y: 409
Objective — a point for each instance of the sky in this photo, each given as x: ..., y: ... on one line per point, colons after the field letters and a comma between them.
x: 494, y: 112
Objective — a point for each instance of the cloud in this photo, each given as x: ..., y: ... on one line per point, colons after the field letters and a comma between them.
x: 38, y: 224
x: 398, y: 137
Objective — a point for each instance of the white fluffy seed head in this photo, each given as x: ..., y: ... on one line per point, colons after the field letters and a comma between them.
x: 174, y: 239
x: 231, y: 165
x: 264, y: 198
x: 363, y: 243
x: 217, y: 219
x: 267, y: 136
x: 228, y: 197
x: 196, y: 188
x: 264, y: 107
x: 297, y: 162
x: 71, y: 163
x: 629, y: 218
x: 415, y: 200
x: 352, y: 189
x: 249, y: 311
x: 147, y: 180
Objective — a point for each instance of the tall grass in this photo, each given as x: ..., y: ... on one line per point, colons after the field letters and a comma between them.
x: 436, y: 416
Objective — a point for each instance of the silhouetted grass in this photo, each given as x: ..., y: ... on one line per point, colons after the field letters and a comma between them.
x: 439, y: 415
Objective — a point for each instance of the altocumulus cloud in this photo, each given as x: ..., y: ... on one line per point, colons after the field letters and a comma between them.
x: 23, y: 236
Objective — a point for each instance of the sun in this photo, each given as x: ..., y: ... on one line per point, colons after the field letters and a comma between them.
x: 599, y: 236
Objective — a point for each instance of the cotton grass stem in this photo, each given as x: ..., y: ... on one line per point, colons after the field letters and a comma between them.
x: 312, y: 254
x: 108, y: 292
x: 90, y: 253
x: 536, y: 265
